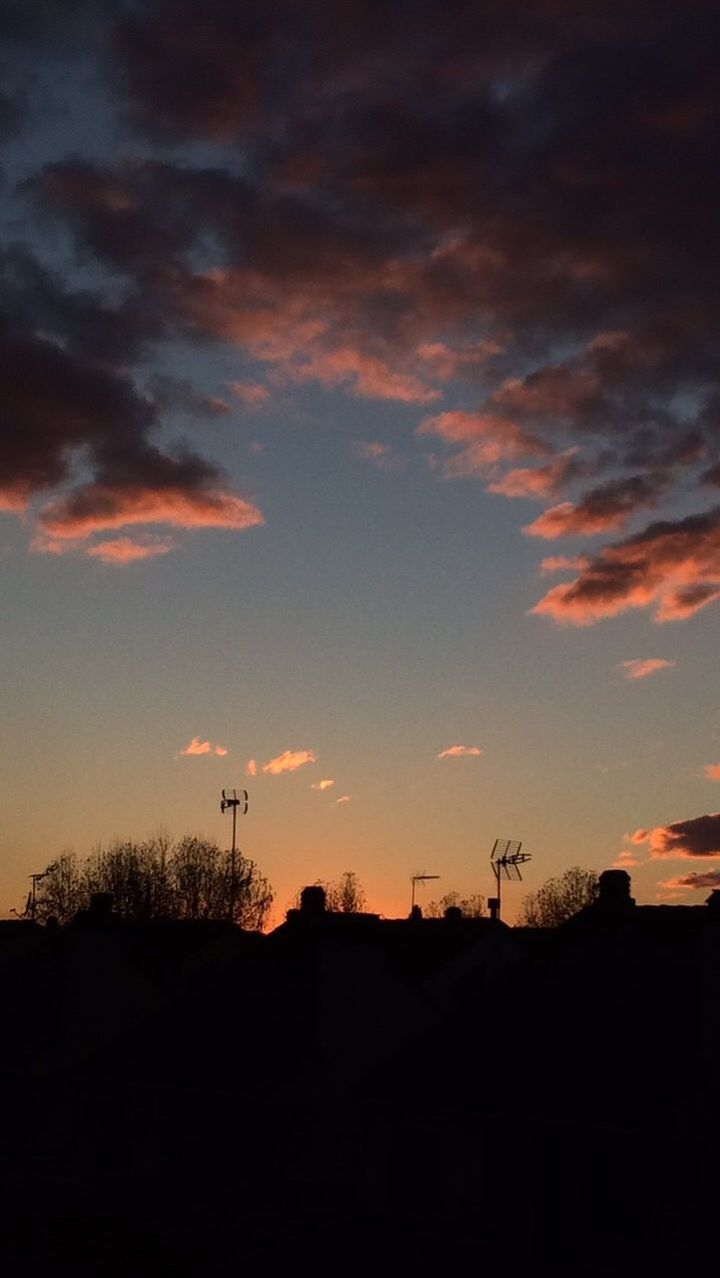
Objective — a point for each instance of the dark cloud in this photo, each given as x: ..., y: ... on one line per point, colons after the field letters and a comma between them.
x: 697, y: 836
x: 671, y: 565
x: 694, y: 880
x: 405, y: 198
x: 602, y: 509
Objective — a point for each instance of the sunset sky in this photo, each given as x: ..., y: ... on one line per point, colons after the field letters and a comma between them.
x: 361, y: 439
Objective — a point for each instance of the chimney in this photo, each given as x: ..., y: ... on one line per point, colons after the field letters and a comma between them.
x: 494, y: 907
x: 614, y: 891
x: 312, y: 901
x: 453, y: 914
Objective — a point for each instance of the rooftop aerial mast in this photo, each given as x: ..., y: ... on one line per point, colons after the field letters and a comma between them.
x: 506, y: 859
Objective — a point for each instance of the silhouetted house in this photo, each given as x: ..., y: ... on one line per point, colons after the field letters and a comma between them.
x: 432, y: 1090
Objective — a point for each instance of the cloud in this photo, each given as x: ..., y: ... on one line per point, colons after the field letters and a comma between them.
x: 603, y: 509
x: 485, y: 441
x: 99, y: 507
x: 197, y: 747
x: 289, y: 761
x: 344, y: 798
x: 695, y: 837
x: 322, y: 785
x: 380, y: 455
x: 123, y: 550
x: 640, y: 668
x: 712, y: 771
x: 461, y: 214
x: 537, y: 481
x: 625, y: 860
x: 251, y: 768
x: 457, y: 751
x: 674, y: 565
x: 563, y: 563
x: 253, y: 395
x: 693, y: 881
x: 65, y: 406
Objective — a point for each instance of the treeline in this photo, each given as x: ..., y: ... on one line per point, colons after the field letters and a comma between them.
x: 188, y: 878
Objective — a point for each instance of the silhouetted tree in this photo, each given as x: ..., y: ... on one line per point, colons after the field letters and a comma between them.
x: 559, y: 898
x: 471, y: 907
x: 190, y: 879
x: 345, y: 895
x: 61, y: 892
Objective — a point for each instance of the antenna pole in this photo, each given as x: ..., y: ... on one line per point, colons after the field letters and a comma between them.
x: 233, y: 800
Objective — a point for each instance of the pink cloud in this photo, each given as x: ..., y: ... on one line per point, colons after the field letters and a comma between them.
x: 486, y: 440
x: 640, y: 668
x: 673, y: 564
x: 458, y: 751
x: 14, y: 498
x: 123, y: 550
x: 98, y: 507
x: 362, y: 373
x: 251, y: 768
x: 563, y: 563
x: 712, y: 771
x: 694, y: 837
x: 322, y: 785
x: 602, y: 509
x: 536, y: 481
x: 380, y: 455
x: 251, y: 394
x: 567, y: 520
x: 289, y: 761
x: 344, y: 798
x: 196, y: 747
x: 625, y: 860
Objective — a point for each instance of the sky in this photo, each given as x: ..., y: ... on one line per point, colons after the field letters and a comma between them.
x: 361, y: 437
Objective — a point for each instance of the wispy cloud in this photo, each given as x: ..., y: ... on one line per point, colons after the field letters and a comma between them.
x: 458, y: 751
x: 322, y: 785
x: 124, y: 550
x: 693, y: 881
x: 253, y: 395
x: 288, y: 761
x: 344, y: 798
x: 378, y: 454
x: 712, y: 771
x: 625, y: 860
x: 641, y: 667
x: 251, y: 768
x: 196, y: 746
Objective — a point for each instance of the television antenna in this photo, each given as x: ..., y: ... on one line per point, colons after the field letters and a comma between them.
x: 31, y: 903
x: 420, y: 878
x: 506, y: 859
x: 233, y: 799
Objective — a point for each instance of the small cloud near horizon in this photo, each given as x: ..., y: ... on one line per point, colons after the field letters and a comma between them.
x: 692, y: 882
x: 344, y: 798
x: 322, y: 785
x: 641, y: 667
x: 197, y: 747
x: 251, y: 768
x: 459, y: 751
x: 288, y: 761
x: 625, y: 860
x: 712, y: 771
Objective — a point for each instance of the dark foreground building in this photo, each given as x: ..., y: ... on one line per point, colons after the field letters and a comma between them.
x: 448, y: 1095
